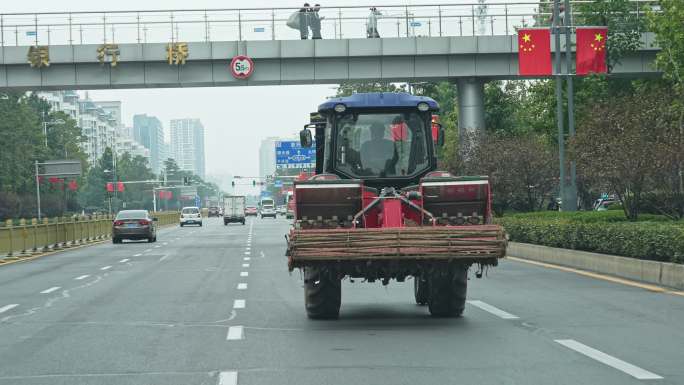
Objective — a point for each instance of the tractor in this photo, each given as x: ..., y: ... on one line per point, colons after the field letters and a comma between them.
x: 378, y: 209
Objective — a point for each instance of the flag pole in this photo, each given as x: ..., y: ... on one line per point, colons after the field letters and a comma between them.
x: 571, y: 190
x: 559, y: 101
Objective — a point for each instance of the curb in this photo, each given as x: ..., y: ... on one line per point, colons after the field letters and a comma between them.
x: 654, y: 272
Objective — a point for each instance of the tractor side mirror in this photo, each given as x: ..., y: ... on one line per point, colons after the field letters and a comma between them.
x: 438, y: 134
x: 305, y: 138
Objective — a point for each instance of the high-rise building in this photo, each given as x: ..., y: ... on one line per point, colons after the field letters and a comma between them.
x: 267, y: 156
x: 187, y: 145
x: 148, y: 131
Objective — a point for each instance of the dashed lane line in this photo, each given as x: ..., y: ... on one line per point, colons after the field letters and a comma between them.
x: 228, y: 378
x: 80, y: 277
x: 235, y: 333
x: 244, y: 274
x: 247, y: 253
x: 245, y: 265
x: 147, y: 251
x: 625, y: 367
x: 137, y: 255
x: 50, y: 290
x: 156, y: 247
x: 124, y: 260
x: 105, y: 268
x: 242, y: 286
x: 239, y: 304
x: 8, y: 307
x: 493, y: 310
x: 246, y: 258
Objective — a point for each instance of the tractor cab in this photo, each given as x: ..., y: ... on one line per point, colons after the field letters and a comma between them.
x: 384, y: 139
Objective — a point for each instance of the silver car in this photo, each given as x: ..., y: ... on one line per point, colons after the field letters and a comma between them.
x: 134, y: 224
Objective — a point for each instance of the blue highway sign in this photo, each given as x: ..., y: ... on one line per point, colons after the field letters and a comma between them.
x: 290, y: 154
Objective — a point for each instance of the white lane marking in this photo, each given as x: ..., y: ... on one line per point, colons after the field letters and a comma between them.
x: 82, y: 277
x: 262, y: 254
x: 105, y: 268
x: 124, y: 260
x: 235, y: 333
x: 8, y: 307
x: 242, y: 286
x: 248, y: 248
x: 165, y: 243
x: 239, y: 304
x: 156, y: 247
x: 227, y: 378
x: 245, y: 265
x: 246, y: 258
x: 137, y: 255
x: 634, y: 371
x: 148, y: 250
x: 244, y: 274
x: 163, y: 257
x: 492, y: 309
x: 247, y: 253
x: 50, y: 290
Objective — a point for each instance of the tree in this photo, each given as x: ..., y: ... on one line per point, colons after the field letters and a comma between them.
x: 625, y: 145
x: 521, y: 169
x: 349, y: 88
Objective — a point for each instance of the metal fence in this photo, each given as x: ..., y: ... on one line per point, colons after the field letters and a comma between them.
x: 34, y: 237
x: 163, y: 26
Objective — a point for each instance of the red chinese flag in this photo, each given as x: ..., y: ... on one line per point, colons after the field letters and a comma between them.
x: 53, y: 180
x: 73, y: 186
x: 110, y: 187
x: 119, y: 186
x: 534, y: 51
x: 591, y: 50
x: 169, y: 195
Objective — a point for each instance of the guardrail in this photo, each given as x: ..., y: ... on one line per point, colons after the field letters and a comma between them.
x: 231, y: 24
x: 34, y: 237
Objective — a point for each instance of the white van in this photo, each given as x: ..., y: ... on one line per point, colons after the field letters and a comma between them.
x: 191, y: 216
x: 267, y: 208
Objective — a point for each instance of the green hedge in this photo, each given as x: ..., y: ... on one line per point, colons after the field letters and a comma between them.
x: 656, y: 240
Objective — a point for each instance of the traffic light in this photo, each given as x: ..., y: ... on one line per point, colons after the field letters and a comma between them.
x: 186, y: 180
x: 233, y: 184
x: 253, y: 183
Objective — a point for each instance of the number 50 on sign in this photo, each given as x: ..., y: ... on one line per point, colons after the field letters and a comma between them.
x: 241, y: 67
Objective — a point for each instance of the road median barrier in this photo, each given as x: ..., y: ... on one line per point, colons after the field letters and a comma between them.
x: 654, y: 272
x: 28, y: 239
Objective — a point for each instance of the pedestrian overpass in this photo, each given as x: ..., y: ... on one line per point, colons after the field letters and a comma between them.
x: 461, y: 43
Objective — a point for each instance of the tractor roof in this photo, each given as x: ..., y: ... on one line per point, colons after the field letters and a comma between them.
x: 379, y: 100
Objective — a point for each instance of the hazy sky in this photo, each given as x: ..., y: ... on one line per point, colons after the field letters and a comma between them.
x: 235, y: 119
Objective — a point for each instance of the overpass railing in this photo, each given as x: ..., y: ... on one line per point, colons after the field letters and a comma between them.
x: 191, y: 25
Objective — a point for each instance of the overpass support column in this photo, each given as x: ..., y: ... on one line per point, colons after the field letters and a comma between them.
x: 471, y: 121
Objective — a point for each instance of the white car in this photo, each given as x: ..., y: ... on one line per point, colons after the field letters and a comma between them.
x: 268, y: 211
x: 191, y: 216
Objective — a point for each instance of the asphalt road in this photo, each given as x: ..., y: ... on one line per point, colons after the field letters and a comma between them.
x: 216, y: 305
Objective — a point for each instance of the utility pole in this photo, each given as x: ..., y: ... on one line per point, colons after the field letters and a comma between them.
x: 571, y: 190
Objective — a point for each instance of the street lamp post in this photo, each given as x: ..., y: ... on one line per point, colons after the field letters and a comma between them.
x: 56, y: 122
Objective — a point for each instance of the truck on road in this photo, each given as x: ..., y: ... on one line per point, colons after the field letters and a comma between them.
x: 378, y: 208
x: 233, y: 209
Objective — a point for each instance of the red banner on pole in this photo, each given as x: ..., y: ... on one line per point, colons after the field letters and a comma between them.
x: 534, y: 51
x: 591, y: 50
x: 73, y: 186
x: 110, y: 187
x: 119, y: 186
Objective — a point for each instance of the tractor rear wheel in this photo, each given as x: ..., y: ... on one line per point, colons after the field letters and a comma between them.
x: 322, y: 294
x: 420, y: 290
x: 447, y: 292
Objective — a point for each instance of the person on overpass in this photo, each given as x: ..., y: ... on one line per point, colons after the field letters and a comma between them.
x: 372, y: 24
x: 315, y: 21
x: 304, y: 20
x: 378, y: 154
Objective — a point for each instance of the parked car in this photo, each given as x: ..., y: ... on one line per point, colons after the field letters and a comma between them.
x: 190, y: 216
x: 134, y: 224
x: 214, y: 211
x: 251, y: 210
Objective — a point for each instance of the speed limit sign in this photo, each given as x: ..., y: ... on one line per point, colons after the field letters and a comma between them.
x: 241, y: 67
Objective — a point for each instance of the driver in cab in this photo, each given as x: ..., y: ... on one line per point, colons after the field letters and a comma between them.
x: 378, y: 154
